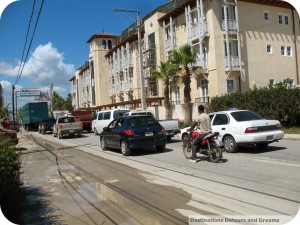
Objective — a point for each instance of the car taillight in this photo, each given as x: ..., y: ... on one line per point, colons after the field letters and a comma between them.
x: 129, y: 132
x: 279, y: 127
x: 81, y: 124
x: 251, y: 130
x: 162, y: 129
x: 60, y: 126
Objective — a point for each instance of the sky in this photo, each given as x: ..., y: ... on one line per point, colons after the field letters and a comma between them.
x: 59, y: 44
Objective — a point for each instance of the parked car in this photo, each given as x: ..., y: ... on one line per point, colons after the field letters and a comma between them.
x: 133, y: 132
x: 171, y: 126
x: 46, y: 125
x: 84, y: 116
x: 103, y: 118
x: 238, y: 127
x: 66, y: 125
x: 11, y: 134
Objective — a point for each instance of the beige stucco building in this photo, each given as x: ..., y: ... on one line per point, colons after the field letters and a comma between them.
x: 241, y: 44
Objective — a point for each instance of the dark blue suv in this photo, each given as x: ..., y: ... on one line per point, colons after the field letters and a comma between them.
x: 133, y: 132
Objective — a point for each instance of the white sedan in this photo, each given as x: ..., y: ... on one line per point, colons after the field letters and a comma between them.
x: 243, y: 127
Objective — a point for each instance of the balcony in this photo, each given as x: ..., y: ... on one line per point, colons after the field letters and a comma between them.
x: 231, y: 25
x: 232, y: 63
x: 202, y: 62
x: 198, y: 29
x: 202, y: 100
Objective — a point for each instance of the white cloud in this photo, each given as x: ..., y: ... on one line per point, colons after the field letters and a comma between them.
x: 44, y: 67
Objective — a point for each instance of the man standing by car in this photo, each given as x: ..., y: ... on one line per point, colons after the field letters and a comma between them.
x: 205, y: 127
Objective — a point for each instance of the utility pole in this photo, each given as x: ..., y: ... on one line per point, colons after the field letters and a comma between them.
x: 142, y: 81
x: 13, y: 101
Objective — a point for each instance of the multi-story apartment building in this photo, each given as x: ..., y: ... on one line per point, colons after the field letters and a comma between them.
x: 241, y: 44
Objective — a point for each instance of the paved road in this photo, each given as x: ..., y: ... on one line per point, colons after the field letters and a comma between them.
x: 251, y: 182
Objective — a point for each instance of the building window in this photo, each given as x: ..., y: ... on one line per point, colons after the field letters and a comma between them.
x: 286, y: 50
x: 271, y: 82
x: 289, y: 51
x: 269, y: 49
x: 230, y: 86
x: 266, y: 15
x: 280, y: 20
x: 176, y: 95
x: 204, y: 90
x: 286, y: 20
x: 282, y: 50
x: 289, y: 82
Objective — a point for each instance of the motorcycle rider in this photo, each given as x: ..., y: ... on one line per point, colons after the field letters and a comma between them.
x: 205, y: 127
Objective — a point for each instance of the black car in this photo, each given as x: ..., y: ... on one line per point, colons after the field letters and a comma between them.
x: 46, y: 125
x: 133, y: 132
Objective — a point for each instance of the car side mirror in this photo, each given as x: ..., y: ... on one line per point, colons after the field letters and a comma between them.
x: 105, y: 128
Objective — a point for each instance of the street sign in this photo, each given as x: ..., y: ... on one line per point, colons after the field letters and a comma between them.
x: 28, y: 92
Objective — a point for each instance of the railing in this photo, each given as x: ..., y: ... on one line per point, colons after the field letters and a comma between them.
x: 232, y: 61
x: 175, y: 102
x: 202, y: 99
x: 231, y: 25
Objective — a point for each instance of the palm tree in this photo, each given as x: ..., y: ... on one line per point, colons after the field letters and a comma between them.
x: 184, y: 58
x: 166, y: 74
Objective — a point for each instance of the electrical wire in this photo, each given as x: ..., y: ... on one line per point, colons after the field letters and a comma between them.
x: 37, y: 20
x: 28, y: 29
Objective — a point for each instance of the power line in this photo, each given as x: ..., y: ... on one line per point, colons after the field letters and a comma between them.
x: 28, y: 29
x: 37, y: 20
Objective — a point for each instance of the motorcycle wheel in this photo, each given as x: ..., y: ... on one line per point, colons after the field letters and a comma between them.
x: 187, y: 149
x: 215, y: 153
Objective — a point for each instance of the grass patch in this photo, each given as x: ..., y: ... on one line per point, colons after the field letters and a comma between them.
x: 292, y: 130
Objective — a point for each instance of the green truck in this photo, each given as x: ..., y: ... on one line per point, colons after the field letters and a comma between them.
x: 33, y: 113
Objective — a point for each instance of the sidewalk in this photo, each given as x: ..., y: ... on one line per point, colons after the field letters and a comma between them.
x: 291, y: 137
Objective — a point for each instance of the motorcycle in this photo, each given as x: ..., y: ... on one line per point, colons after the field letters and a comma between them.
x: 209, y: 146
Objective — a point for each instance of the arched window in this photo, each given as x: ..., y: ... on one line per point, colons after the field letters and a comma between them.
x: 109, y: 44
x: 103, y: 45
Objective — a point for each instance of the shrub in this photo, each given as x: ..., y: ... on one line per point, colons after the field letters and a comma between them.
x: 279, y: 102
x: 9, y: 168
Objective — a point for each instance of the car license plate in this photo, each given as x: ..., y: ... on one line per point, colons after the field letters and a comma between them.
x: 270, y: 137
x: 149, y: 134
x: 71, y: 131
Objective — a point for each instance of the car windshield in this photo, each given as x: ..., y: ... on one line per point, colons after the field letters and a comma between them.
x: 147, y: 121
x: 241, y: 116
x: 119, y: 113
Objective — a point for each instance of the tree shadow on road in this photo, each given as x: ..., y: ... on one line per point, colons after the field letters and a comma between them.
x: 30, y: 205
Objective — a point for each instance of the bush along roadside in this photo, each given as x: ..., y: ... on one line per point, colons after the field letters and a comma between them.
x: 280, y: 102
x: 10, y: 165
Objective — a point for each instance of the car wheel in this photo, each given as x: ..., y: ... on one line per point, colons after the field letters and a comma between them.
x: 124, y: 149
x: 168, y: 139
x: 160, y: 148
x: 230, y: 144
x: 262, y: 145
x: 103, y: 143
x: 95, y: 131
x: 185, y: 136
x: 79, y: 134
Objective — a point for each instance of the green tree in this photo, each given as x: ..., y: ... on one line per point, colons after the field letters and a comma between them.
x: 184, y: 58
x: 68, y: 103
x: 166, y: 74
x: 58, y: 102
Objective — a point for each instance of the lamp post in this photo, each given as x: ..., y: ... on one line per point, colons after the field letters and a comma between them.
x: 142, y: 82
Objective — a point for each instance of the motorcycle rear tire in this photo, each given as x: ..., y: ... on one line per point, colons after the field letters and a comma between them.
x: 215, y: 154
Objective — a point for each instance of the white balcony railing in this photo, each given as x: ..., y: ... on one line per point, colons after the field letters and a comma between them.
x: 231, y: 25
x: 232, y: 62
